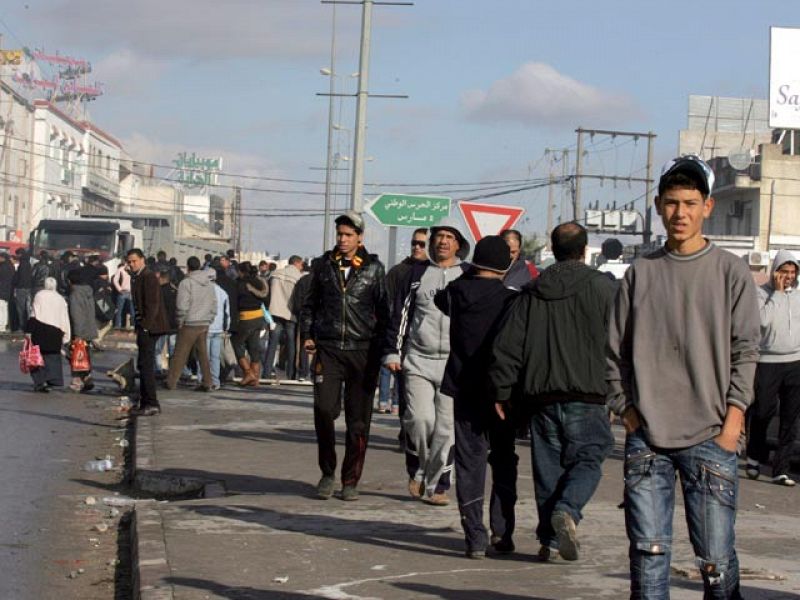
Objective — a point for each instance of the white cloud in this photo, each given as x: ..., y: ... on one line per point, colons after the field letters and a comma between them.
x: 196, y: 29
x: 123, y: 72
x: 537, y: 94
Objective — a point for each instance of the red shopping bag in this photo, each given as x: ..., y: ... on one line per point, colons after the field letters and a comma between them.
x: 79, y: 357
x: 30, y: 357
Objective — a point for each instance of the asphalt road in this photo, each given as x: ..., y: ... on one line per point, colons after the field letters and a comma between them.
x: 45, y: 524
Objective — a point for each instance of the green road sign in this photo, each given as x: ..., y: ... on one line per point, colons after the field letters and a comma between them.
x: 403, y: 210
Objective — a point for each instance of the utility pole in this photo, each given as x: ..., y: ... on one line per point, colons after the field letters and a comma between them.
x: 577, y: 209
x: 647, y: 180
x: 327, y: 218
x: 357, y: 185
x: 648, y: 192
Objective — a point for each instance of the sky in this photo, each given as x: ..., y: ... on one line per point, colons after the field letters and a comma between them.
x: 490, y: 85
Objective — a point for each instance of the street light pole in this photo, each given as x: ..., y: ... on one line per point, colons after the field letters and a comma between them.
x: 327, y: 218
x: 357, y: 189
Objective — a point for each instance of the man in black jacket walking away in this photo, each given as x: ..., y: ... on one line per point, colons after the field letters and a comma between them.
x: 344, y: 321
x: 553, y: 344
x: 475, y: 304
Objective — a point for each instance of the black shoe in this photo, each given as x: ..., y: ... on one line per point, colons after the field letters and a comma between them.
x: 502, y: 546
x: 476, y: 554
x: 41, y: 389
x: 202, y: 388
x: 147, y: 411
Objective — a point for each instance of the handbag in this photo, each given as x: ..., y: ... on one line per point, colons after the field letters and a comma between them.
x: 30, y: 357
x: 79, y: 357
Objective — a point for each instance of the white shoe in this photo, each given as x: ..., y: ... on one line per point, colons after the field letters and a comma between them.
x: 784, y: 480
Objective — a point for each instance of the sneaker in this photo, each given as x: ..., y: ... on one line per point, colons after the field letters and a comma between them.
x: 784, y: 480
x: 325, y: 487
x: 349, y: 493
x: 546, y: 553
x: 752, y: 469
x: 415, y: 488
x: 475, y: 554
x: 564, y: 526
x: 41, y: 389
x: 215, y: 387
x: 439, y: 499
x: 147, y: 411
x: 502, y: 546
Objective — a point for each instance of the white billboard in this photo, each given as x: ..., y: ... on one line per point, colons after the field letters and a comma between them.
x: 784, y: 78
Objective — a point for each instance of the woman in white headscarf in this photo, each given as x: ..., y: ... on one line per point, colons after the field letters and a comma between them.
x: 49, y: 329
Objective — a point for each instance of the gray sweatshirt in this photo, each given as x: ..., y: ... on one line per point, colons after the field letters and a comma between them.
x: 429, y: 330
x: 780, y: 317
x: 197, y: 301
x: 683, y: 344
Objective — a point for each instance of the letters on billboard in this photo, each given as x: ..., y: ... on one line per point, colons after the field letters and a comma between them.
x: 784, y: 78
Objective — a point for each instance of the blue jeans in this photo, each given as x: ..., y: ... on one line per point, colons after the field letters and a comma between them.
x: 161, y: 341
x: 709, y: 482
x: 214, y: 345
x: 124, y: 302
x: 386, y: 399
x: 281, y: 326
x: 569, y: 442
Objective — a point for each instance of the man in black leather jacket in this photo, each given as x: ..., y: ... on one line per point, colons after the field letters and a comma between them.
x: 344, y: 320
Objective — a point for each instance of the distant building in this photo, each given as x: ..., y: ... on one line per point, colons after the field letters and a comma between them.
x: 757, y: 181
x: 719, y: 127
x: 16, y: 155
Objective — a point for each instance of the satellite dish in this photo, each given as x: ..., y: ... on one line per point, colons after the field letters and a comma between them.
x: 739, y: 159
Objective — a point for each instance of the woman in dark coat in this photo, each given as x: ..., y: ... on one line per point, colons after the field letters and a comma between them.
x: 49, y: 328
x: 250, y: 299
x: 82, y: 319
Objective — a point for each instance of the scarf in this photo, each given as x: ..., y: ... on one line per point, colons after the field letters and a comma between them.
x: 51, y: 309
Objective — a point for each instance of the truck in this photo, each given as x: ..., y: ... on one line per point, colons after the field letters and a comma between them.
x: 111, y: 235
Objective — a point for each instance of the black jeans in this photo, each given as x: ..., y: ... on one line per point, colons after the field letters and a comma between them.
x: 288, y: 327
x: 777, y: 390
x: 482, y: 436
x: 247, y: 340
x: 146, y: 363
x: 357, y: 371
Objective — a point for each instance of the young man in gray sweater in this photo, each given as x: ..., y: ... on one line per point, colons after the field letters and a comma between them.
x: 683, y: 345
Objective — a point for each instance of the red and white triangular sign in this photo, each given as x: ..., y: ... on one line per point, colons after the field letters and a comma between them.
x: 489, y: 219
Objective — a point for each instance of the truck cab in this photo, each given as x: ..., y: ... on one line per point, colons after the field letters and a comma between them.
x: 110, y: 239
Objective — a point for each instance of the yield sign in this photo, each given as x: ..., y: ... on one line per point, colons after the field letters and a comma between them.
x: 489, y: 219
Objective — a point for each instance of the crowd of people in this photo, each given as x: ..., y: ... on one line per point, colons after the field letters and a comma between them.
x: 686, y: 351
x: 202, y: 319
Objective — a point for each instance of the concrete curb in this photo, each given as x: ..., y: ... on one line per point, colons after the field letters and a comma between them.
x: 147, y: 479
x: 150, y: 568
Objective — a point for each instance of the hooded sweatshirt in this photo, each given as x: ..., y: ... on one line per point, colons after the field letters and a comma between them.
x: 780, y: 316
x: 420, y: 329
x: 552, y: 342
x: 475, y: 306
x: 197, y: 301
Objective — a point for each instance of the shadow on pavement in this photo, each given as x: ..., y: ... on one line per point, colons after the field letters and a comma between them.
x: 66, y: 418
x: 233, y: 593
x: 303, y: 436
x: 436, y: 591
x: 383, y: 534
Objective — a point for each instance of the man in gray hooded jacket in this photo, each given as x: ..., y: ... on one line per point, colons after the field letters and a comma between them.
x: 778, y: 371
x: 196, y: 308
x: 418, y: 344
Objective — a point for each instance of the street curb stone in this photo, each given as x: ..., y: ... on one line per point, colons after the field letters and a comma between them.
x: 147, y: 479
x: 149, y: 560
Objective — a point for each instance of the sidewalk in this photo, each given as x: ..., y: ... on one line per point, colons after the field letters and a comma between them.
x: 259, y: 532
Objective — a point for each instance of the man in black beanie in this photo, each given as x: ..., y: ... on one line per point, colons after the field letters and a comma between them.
x: 475, y: 304
x: 552, y: 344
